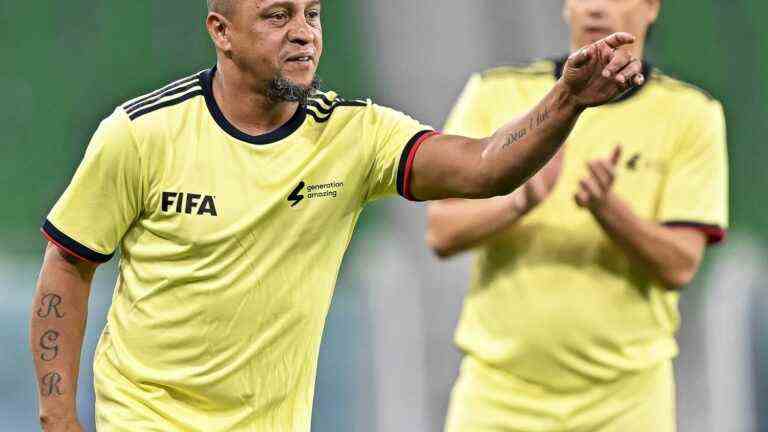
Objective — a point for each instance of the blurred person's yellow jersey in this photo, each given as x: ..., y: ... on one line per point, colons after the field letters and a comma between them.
x: 557, y: 316
x: 231, y: 245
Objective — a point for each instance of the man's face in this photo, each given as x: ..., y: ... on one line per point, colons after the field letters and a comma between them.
x: 592, y: 20
x: 277, y: 38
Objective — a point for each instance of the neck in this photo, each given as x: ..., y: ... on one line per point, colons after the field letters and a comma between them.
x: 246, y: 105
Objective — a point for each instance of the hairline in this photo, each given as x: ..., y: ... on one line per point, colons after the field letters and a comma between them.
x: 223, y: 7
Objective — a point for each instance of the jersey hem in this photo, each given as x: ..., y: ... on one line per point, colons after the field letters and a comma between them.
x: 406, y: 163
x: 72, y: 246
x: 715, y: 234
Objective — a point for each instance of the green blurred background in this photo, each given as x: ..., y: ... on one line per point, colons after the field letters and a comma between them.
x: 68, y: 64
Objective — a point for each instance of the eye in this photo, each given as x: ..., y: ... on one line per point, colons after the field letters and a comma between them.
x: 313, y: 15
x: 279, y: 17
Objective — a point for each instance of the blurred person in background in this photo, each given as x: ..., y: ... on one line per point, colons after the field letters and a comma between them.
x: 570, y: 321
x: 233, y: 194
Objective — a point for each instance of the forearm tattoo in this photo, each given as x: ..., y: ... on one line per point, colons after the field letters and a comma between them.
x: 536, y: 121
x: 51, y: 306
x: 49, y: 384
x: 49, y: 344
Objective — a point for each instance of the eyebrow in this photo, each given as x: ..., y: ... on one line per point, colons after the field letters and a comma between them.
x: 291, y: 4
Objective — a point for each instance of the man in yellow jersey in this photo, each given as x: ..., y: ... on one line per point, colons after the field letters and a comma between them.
x: 233, y: 195
x: 570, y: 320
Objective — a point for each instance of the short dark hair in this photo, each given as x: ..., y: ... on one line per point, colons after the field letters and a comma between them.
x: 223, y: 7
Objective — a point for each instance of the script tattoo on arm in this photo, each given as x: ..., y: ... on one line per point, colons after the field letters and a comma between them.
x: 48, y: 342
x: 50, y: 384
x: 536, y: 121
x: 50, y: 304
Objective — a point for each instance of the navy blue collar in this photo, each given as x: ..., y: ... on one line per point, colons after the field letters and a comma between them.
x: 295, y: 122
x: 647, y: 71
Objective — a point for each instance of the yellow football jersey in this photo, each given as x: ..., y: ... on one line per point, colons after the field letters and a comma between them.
x: 554, y: 301
x: 231, y: 245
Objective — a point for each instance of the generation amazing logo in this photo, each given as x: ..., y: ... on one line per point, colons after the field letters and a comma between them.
x: 314, y: 191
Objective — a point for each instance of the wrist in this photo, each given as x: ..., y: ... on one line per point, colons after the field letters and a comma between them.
x: 58, y: 416
x: 603, y: 209
x: 566, y: 101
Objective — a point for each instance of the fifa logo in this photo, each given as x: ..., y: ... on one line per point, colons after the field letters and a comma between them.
x: 189, y: 203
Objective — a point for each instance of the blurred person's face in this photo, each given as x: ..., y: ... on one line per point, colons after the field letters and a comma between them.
x: 592, y: 20
x: 274, y: 39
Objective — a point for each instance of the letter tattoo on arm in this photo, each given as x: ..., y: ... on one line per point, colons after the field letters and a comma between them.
x: 50, y: 303
x: 50, y: 384
x: 48, y: 342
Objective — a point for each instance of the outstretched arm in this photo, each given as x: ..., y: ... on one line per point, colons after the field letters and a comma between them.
x: 459, y: 167
x: 57, y: 326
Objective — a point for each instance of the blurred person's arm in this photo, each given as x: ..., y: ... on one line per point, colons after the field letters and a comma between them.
x: 450, y: 166
x: 670, y: 254
x: 57, y: 326
x: 456, y: 225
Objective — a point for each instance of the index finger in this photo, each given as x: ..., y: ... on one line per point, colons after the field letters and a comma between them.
x: 616, y: 155
x: 620, y: 39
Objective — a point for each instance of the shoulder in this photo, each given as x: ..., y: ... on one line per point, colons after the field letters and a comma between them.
x: 537, y: 69
x: 532, y: 77
x: 695, y: 111
x: 683, y: 91
x: 323, y: 105
x: 170, y: 95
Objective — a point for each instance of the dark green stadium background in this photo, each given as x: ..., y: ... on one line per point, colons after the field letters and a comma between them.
x: 67, y: 64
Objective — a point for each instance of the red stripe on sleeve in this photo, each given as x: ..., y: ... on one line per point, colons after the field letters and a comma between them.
x: 714, y: 233
x: 65, y: 249
x: 409, y: 165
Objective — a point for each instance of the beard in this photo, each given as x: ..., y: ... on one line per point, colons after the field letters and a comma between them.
x: 281, y: 89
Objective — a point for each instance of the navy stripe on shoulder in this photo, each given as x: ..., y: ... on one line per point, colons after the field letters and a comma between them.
x: 170, y: 102
x: 155, y: 93
x: 322, y: 97
x: 73, y: 246
x: 322, y: 114
x: 171, y: 92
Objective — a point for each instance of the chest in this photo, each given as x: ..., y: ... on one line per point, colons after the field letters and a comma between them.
x: 203, y: 190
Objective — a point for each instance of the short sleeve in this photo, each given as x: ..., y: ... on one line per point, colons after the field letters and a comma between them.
x: 695, y: 191
x: 103, y: 198
x: 395, y: 138
x: 469, y: 116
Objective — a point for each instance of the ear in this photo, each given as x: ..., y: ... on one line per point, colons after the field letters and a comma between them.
x: 218, y: 28
x: 654, y: 8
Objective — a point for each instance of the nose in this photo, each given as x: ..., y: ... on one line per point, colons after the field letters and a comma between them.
x: 301, y: 32
x: 595, y: 8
